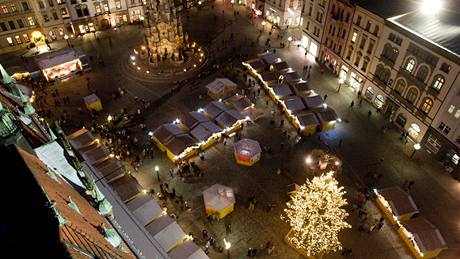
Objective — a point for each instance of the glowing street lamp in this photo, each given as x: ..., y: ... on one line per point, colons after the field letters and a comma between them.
x: 157, y: 170
x: 417, y: 146
x: 289, y: 40
x: 227, y: 247
x: 308, y: 160
x: 109, y: 118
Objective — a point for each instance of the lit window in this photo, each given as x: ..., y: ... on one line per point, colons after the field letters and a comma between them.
x: 427, y: 104
x: 18, y: 39
x: 438, y: 83
x: 457, y: 114
x: 26, y: 38
x: 118, y: 4
x: 97, y: 7
x: 10, y: 41
x: 5, y: 9
x: 451, y: 109
x: 410, y: 65
x: 31, y: 21
x: 355, y: 35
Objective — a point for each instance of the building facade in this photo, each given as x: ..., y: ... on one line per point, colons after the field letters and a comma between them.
x: 50, y: 19
x: 314, y: 14
x: 283, y: 13
x: 338, y: 23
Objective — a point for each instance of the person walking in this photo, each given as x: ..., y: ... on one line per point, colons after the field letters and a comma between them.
x: 205, y: 234
x: 325, y: 97
x: 369, y: 113
x: 352, y: 104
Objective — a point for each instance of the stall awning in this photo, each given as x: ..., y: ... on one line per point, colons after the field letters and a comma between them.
x: 325, y: 115
x: 81, y: 138
x: 291, y: 76
x: 165, y: 132
x: 126, y: 187
x: 144, y: 208
x: 268, y: 77
x: 426, y: 235
x: 301, y: 87
x: 215, y: 108
x: 307, y: 118
x: 166, y: 231
x: 256, y: 64
x: 229, y: 118
x: 221, y: 85
x: 179, y: 143
x: 187, y: 250
x: 205, y: 130
x: 282, y: 90
x: 269, y: 58
x: 313, y: 101
x: 192, y: 119
x: 294, y: 103
x: 96, y: 154
x: 218, y: 197
x: 248, y: 146
x: 110, y: 169
x: 239, y: 102
x: 400, y: 202
x: 280, y: 66
x: 56, y: 58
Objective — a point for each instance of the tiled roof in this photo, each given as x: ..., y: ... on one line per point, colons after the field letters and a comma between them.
x: 80, y: 231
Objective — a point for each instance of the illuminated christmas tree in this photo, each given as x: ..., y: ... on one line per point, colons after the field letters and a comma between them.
x: 316, y: 216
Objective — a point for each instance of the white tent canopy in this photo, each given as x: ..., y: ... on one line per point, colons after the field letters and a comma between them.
x: 188, y: 250
x: 218, y: 197
x: 166, y: 231
x: 109, y: 169
x: 145, y: 209
x: 81, y: 138
x: 220, y: 87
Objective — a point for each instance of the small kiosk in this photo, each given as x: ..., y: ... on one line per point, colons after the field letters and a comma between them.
x: 219, y: 200
x: 220, y: 88
x: 93, y: 103
x: 247, y: 152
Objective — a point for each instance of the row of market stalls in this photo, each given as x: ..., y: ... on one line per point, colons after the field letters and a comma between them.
x: 421, y: 236
x: 145, y: 209
x: 304, y: 108
x: 197, y: 130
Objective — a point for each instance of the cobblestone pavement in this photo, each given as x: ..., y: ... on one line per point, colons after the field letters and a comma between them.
x: 364, y: 144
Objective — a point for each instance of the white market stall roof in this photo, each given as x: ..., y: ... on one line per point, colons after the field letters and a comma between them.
x: 221, y: 85
x: 52, y: 154
x: 188, y: 250
x: 192, y: 119
x: 401, y: 202
x: 300, y: 87
x: 280, y: 66
x: 96, y: 154
x: 307, y: 118
x: 205, y: 130
x: 166, y: 231
x: 282, y: 90
x: 56, y: 58
x: 229, y: 118
x: 215, y: 108
x: 313, y: 100
x: 256, y: 64
x: 81, y: 138
x: 426, y: 235
x: 179, y: 143
x: 247, y: 147
x: 269, y: 58
x: 239, y: 102
x: 110, y: 169
x: 90, y: 99
x: 294, y: 103
x: 126, y: 187
x: 268, y: 77
x: 218, y: 197
x: 144, y: 208
x: 325, y: 115
x: 165, y: 132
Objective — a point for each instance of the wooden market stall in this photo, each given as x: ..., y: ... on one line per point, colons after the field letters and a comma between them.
x: 280, y: 91
x: 300, y: 88
x: 219, y: 200
x: 192, y: 119
x: 93, y: 102
x: 306, y: 121
x: 207, y: 134
x: 145, y: 209
x: 166, y: 232
x: 313, y: 100
x: 269, y: 58
x: 289, y: 76
x: 268, y: 78
x: 247, y: 152
x: 239, y: 102
x: 396, y: 204
x: 181, y: 147
x: 165, y: 133
x: 215, y: 108
x: 220, y: 88
x: 279, y: 67
x: 422, y: 237
x: 230, y: 120
x: 126, y: 187
x: 255, y: 66
x: 327, y: 118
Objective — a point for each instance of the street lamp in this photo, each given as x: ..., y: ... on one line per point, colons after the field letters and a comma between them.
x: 227, y: 247
x: 263, y: 25
x: 66, y: 37
x: 308, y: 160
x: 109, y: 118
x: 157, y: 170
x: 417, y: 146
x: 289, y: 40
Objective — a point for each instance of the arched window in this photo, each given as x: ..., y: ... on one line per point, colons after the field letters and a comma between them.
x: 427, y: 104
x: 422, y: 73
x: 400, y: 86
x: 410, y: 64
x: 438, y: 82
x: 412, y: 95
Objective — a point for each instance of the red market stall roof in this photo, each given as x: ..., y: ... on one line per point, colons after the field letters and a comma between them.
x: 126, y: 187
x: 165, y: 132
x: 313, y: 101
x: 282, y: 90
x: 229, y: 118
x: 215, y: 108
x: 307, y: 118
x: 325, y: 115
x: 400, y: 202
x: 192, y: 119
x: 256, y: 64
x: 294, y: 103
x: 179, y: 143
x: 269, y: 58
x: 426, y: 235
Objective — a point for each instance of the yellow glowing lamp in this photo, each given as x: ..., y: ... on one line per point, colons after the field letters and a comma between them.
x: 37, y: 35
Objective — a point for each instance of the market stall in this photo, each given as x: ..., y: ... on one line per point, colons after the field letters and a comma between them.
x: 313, y: 100
x: 59, y: 64
x: 396, y: 203
x: 93, y: 102
x: 126, y: 187
x: 215, y: 108
x: 306, y: 121
x: 219, y: 200
x: 256, y: 66
x: 247, y: 152
x: 145, y: 209
x: 81, y: 138
x: 280, y: 91
x: 230, y: 120
x: 289, y: 76
x: 279, y: 67
x: 422, y: 237
x: 188, y: 250
x: 192, y: 119
x: 220, y: 88
x: 207, y: 134
x: 96, y: 154
x: 269, y: 58
x: 239, y: 102
x: 327, y: 117
x: 165, y: 133
x: 110, y: 169
x: 268, y: 78
x: 180, y: 147
x: 300, y: 88
x: 292, y: 104
x: 166, y: 232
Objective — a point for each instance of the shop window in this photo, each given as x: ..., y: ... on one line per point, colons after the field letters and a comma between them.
x: 25, y: 37
x: 412, y: 95
x: 451, y: 109
x: 413, y: 131
x: 355, y: 35
x: 438, y: 82
x: 401, y: 120
x: 5, y: 9
x: 410, y: 64
x: 369, y: 93
x: 379, y: 101
x: 433, y: 143
x: 400, y: 86
x: 31, y: 21
x: 427, y: 105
